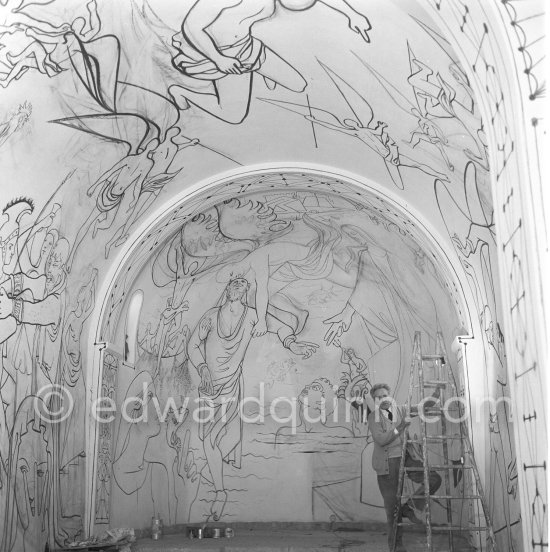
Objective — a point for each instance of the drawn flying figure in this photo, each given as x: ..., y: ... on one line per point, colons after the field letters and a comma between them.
x: 217, y: 54
x: 457, y: 100
x: 430, y: 133
x: 427, y: 128
x: 133, y: 183
x: 119, y: 190
x: 255, y: 236
x: 373, y: 134
x: 389, y: 300
x: 427, y: 88
x: 157, y: 177
x: 15, y: 122
x: 30, y: 42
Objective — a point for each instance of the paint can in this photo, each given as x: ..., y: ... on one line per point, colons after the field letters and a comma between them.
x: 216, y: 533
x: 229, y: 533
x: 156, y: 528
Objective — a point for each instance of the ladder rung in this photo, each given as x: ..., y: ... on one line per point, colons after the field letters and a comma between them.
x: 449, y: 527
x: 444, y: 497
x: 434, y: 357
x: 432, y: 410
x: 436, y: 383
x: 442, y: 467
x: 435, y: 438
x: 458, y: 528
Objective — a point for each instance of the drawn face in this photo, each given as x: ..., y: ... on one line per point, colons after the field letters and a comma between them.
x: 236, y: 289
x: 55, y: 265
x: 355, y: 233
x: 54, y: 269
x: 30, y: 489
x: 9, y: 248
x: 22, y: 119
x: 72, y: 344
x: 144, y: 415
x: 318, y: 398
x: 47, y: 245
x: 32, y: 459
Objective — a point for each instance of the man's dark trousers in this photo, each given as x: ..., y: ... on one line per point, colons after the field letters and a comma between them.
x: 388, y: 488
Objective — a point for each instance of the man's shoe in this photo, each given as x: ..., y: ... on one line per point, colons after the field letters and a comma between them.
x: 409, y: 513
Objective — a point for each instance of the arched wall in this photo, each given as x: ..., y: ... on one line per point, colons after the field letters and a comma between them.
x: 152, y: 237
x: 63, y: 145
x: 501, y: 45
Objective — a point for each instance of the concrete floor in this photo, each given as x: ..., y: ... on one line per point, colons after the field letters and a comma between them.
x: 295, y: 540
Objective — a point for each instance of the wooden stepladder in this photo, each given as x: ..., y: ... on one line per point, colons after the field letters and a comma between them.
x: 445, y: 447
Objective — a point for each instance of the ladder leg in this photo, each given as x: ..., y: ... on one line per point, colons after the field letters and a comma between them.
x: 416, y: 361
x: 423, y: 430
x: 445, y: 381
x: 447, y: 475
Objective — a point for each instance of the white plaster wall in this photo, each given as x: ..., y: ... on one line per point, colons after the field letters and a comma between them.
x: 55, y: 165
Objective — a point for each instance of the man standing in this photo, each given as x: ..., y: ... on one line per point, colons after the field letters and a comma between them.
x: 217, y: 349
x: 387, y: 429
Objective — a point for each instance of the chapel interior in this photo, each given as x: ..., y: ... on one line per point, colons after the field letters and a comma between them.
x: 224, y: 224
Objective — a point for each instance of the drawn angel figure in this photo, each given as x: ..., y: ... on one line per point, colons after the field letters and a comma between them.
x: 119, y: 190
x: 15, y: 122
x: 146, y: 126
x: 429, y: 129
x: 162, y: 156
x: 362, y: 126
x: 389, y: 300
x: 246, y: 238
x: 74, y: 322
x: 438, y: 98
x: 144, y: 121
x: 30, y: 42
x: 430, y: 133
x: 218, y: 55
